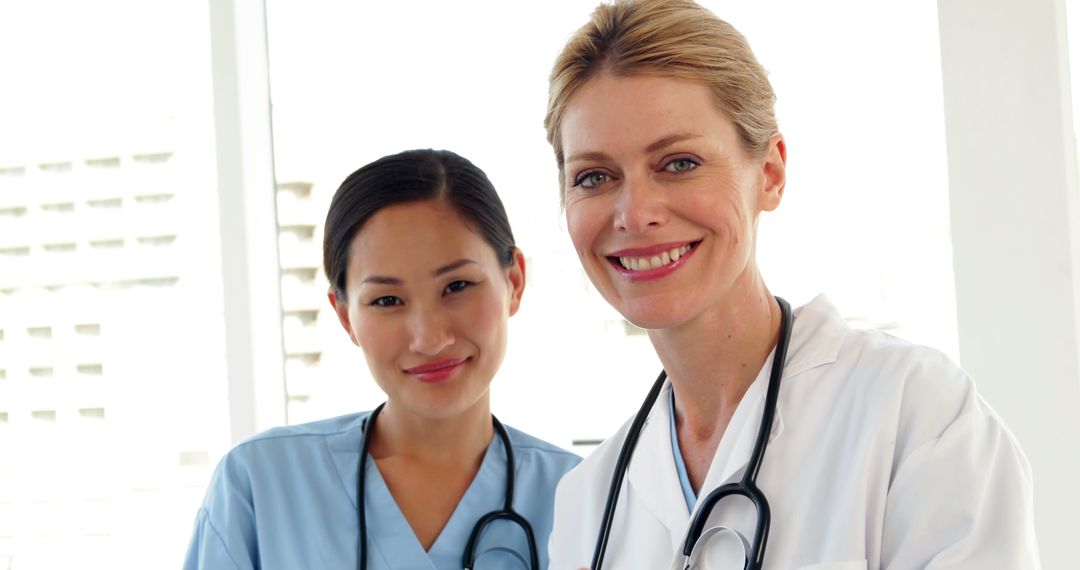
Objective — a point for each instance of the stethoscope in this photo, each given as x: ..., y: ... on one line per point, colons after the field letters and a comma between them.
x: 747, y: 487
x: 507, y: 511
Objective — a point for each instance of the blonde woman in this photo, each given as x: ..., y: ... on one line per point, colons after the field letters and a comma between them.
x: 775, y: 438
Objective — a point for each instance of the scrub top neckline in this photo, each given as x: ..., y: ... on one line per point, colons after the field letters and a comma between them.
x: 387, y: 525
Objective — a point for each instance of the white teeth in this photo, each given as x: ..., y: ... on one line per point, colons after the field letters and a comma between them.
x: 655, y: 261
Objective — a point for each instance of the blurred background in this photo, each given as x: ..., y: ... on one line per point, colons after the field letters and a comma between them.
x: 165, y: 168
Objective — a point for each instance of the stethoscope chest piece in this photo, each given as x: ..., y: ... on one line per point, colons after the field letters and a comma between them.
x: 500, y: 558
x: 719, y: 548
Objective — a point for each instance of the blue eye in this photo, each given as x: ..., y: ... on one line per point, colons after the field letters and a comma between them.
x: 590, y: 179
x: 456, y: 286
x: 387, y: 301
x: 680, y: 165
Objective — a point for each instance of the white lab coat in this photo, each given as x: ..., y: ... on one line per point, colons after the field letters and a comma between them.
x: 881, y: 455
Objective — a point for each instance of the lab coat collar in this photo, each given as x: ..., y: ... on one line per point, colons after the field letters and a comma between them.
x: 816, y: 337
x: 651, y: 476
x: 733, y: 453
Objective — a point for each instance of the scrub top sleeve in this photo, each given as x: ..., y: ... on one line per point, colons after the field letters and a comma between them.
x: 225, y: 533
x: 207, y: 550
x: 961, y: 499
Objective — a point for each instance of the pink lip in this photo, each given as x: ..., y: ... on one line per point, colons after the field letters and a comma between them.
x: 650, y: 250
x: 650, y: 274
x: 436, y: 371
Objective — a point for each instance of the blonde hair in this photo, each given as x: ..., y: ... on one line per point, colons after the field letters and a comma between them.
x: 672, y: 38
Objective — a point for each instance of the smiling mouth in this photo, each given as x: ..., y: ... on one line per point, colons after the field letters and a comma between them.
x: 650, y: 262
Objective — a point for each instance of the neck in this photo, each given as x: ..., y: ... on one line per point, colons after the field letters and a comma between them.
x: 714, y: 358
x: 447, y: 440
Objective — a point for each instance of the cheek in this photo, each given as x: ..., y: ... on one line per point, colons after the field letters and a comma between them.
x: 488, y: 321
x: 727, y: 210
x: 583, y: 222
x: 378, y: 340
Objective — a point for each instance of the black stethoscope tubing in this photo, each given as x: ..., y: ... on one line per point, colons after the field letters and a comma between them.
x: 507, y: 511
x: 746, y: 487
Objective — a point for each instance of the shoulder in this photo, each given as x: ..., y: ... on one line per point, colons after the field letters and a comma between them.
x: 867, y: 363
x: 590, y: 479
x: 917, y: 392
x: 277, y: 450
x: 284, y: 435
x: 542, y: 452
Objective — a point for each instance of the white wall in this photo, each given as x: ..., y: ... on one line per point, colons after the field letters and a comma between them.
x: 1012, y: 168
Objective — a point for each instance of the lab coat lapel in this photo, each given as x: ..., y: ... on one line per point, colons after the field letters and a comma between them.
x: 816, y: 338
x: 733, y: 454
x: 652, y: 478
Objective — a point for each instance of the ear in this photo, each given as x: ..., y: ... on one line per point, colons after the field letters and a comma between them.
x: 516, y: 275
x: 773, y: 173
x: 341, y: 307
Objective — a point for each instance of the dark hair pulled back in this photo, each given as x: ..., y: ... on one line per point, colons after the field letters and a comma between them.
x: 413, y: 176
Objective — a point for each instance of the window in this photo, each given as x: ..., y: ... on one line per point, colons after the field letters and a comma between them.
x: 92, y: 413
x: 41, y: 372
x: 106, y: 204
x: 59, y: 208
x: 39, y: 332
x: 45, y: 416
x: 107, y: 243
x: 194, y: 458
x: 55, y: 167
x: 88, y: 330
x: 89, y: 369
x: 17, y: 251
x: 60, y: 247
x: 110, y: 163
x: 153, y: 198
x: 153, y: 158
x: 157, y: 241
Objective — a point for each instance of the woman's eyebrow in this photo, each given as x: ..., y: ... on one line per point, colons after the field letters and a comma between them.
x: 380, y: 280
x: 452, y: 266
x: 653, y: 147
x: 670, y: 140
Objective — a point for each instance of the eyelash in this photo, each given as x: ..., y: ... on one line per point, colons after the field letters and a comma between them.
x: 694, y: 164
x: 388, y: 301
x: 464, y: 285
x: 579, y: 182
x: 380, y: 302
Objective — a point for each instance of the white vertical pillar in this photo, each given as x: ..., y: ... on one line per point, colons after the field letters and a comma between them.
x: 1015, y: 227
x: 249, y: 234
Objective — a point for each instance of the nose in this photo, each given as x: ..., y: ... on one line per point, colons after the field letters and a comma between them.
x: 430, y: 331
x: 640, y: 205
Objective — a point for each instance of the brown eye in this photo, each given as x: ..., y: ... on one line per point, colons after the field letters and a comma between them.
x: 387, y: 301
x: 457, y: 286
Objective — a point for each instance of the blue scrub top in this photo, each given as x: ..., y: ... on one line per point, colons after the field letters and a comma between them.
x: 286, y: 498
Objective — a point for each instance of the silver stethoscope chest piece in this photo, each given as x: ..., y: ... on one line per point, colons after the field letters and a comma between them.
x: 501, y: 558
x: 719, y: 548
x: 748, y: 555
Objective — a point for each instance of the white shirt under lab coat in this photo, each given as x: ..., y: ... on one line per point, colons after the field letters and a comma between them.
x: 881, y: 455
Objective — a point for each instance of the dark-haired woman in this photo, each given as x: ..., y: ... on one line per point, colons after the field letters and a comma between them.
x: 423, y: 275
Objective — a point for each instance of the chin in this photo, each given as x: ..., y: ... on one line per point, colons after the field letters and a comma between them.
x: 653, y: 314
